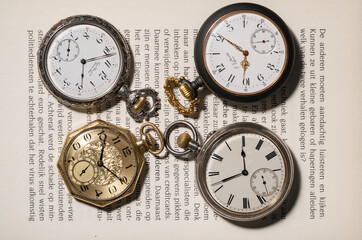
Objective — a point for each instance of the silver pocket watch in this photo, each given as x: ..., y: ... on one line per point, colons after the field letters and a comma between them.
x: 244, y: 171
x: 84, y: 60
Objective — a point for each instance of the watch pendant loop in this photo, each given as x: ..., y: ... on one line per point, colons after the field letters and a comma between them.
x: 148, y: 141
x: 187, y: 90
x: 184, y: 140
x: 142, y: 103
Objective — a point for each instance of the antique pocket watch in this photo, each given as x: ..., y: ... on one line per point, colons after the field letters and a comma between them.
x: 242, y: 53
x: 244, y: 171
x: 84, y: 60
x: 101, y: 162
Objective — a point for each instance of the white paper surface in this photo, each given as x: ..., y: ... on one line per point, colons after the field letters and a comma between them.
x: 334, y: 163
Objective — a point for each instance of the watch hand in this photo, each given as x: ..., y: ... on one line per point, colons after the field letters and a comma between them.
x: 100, y: 162
x: 68, y: 50
x: 263, y: 41
x: 100, y: 57
x: 245, y: 63
x: 264, y: 182
x: 84, y: 170
x: 235, y: 46
x: 244, y: 172
x: 228, y: 178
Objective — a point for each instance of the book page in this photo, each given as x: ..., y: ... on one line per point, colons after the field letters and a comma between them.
x: 317, y: 113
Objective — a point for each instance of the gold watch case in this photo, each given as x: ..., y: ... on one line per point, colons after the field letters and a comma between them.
x: 101, y: 163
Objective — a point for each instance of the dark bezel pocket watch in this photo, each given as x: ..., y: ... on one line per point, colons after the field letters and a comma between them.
x: 243, y: 52
x: 244, y: 171
x: 84, y: 60
x: 101, y: 163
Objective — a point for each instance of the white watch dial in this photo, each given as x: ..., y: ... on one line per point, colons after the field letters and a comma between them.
x: 245, y: 172
x: 83, y: 62
x: 245, y: 53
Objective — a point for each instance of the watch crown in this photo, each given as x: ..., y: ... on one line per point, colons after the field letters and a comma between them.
x: 139, y: 103
x: 186, y: 91
x: 183, y: 140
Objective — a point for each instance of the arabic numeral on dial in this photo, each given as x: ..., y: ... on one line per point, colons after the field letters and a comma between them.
x: 220, y: 68
x: 86, y: 35
x: 123, y: 180
x: 76, y: 146
x: 106, y: 50
x: 271, y: 66
x: 99, y: 40
x: 65, y: 81
x: 112, y: 189
x: 102, y: 136
x: 103, y: 75
x: 218, y: 38
x: 108, y: 63
x: 87, y: 137
x: 126, y: 151
x: 98, y: 193
x: 228, y: 26
x: 84, y: 188
x: 260, y: 77
x: 246, y: 81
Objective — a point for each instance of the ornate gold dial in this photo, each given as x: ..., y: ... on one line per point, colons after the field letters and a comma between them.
x: 100, y: 163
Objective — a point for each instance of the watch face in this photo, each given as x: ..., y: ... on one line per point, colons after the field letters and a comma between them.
x: 245, y: 172
x: 245, y: 175
x: 243, y: 51
x: 82, y: 59
x: 99, y: 164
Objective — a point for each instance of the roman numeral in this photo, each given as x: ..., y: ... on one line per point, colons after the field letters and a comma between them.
x: 259, y: 144
x: 218, y: 188
x: 129, y: 166
x: 213, y: 174
x: 108, y: 64
x: 261, y: 199
x: 228, y: 146
x: 270, y: 155
x: 246, y: 203
x: 217, y: 157
x: 231, y: 197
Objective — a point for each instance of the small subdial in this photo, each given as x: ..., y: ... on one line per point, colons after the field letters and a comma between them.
x: 68, y: 50
x: 264, y: 182
x: 263, y: 41
x: 83, y: 172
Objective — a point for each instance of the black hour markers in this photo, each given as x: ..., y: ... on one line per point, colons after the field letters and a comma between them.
x: 213, y: 53
x: 261, y: 199
x: 259, y: 144
x: 218, y: 188
x: 228, y: 145
x: 231, y: 78
x: 231, y: 197
x: 270, y: 155
x: 246, y: 203
x: 217, y: 157
x: 129, y: 166
x: 213, y: 174
x: 277, y: 169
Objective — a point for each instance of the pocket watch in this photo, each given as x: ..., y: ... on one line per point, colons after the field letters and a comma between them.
x: 84, y: 60
x: 101, y: 163
x: 244, y: 171
x: 242, y: 53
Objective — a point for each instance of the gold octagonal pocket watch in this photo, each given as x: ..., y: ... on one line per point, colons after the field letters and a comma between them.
x: 101, y: 162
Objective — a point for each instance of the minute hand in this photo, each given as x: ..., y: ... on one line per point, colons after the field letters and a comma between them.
x: 100, y: 57
x: 227, y: 179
